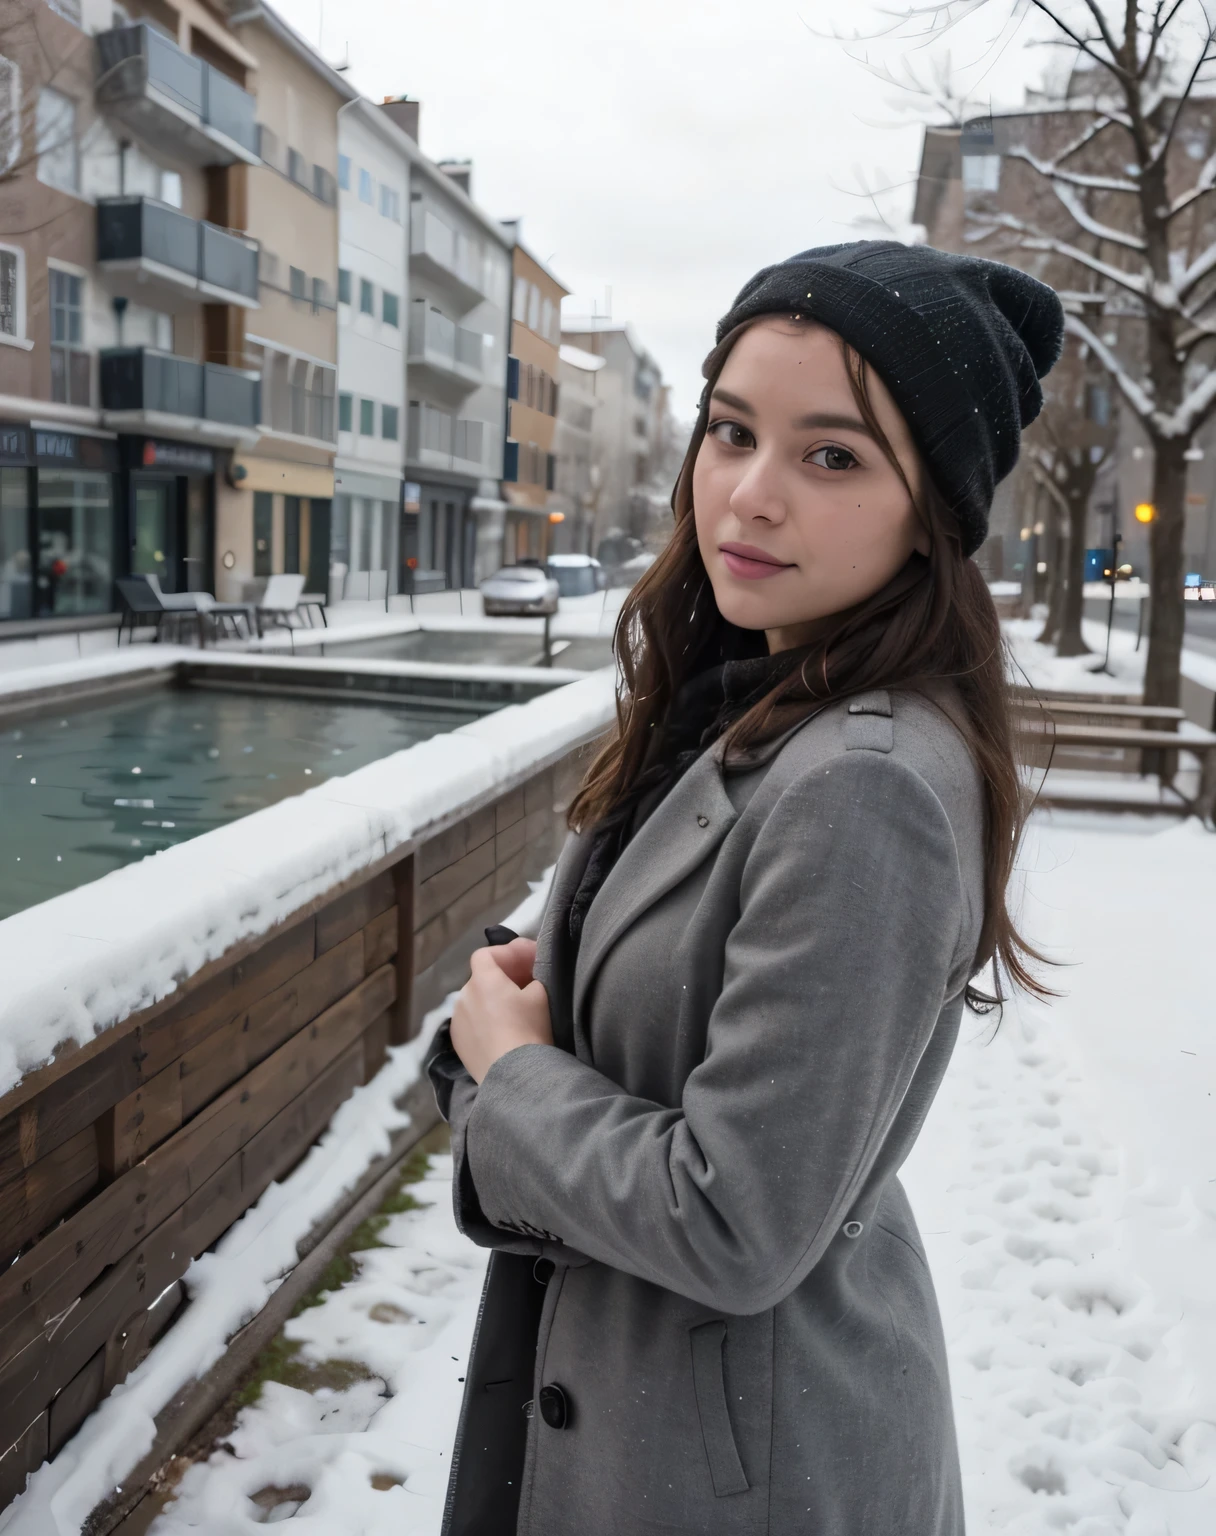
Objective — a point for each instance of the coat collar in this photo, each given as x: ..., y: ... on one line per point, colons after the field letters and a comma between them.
x: 684, y: 829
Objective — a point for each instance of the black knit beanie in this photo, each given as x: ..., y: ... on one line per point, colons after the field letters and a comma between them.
x: 960, y: 342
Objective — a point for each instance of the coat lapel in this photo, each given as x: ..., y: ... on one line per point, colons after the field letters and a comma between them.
x: 684, y: 829
x: 553, y: 948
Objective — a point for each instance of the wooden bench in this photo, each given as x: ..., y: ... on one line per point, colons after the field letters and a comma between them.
x: 1167, y: 716
x: 1202, y: 744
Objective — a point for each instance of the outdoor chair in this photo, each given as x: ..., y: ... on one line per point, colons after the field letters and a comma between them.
x: 208, y: 613
x: 141, y: 606
x: 281, y: 601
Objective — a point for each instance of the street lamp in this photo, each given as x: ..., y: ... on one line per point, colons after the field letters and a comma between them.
x: 1145, y: 512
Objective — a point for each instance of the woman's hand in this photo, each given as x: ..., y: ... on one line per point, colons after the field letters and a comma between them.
x: 499, y: 1007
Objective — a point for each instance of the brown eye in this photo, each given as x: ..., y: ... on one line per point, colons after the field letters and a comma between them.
x: 833, y: 457
x: 733, y: 434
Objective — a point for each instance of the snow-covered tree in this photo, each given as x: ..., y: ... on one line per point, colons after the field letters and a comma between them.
x: 1125, y: 201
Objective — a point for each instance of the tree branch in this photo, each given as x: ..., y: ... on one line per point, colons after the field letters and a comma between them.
x: 1132, y: 392
x: 1034, y: 240
x: 1077, y: 212
x: 1081, y: 43
x: 1203, y: 58
x: 1051, y: 170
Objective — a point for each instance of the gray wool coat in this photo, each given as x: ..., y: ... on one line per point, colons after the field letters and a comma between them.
x: 739, y: 1320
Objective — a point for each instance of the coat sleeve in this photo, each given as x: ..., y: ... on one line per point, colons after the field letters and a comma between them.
x: 836, y: 970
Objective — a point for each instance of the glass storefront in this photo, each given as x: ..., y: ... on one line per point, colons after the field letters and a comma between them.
x: 152, y: 543
x: 16, y: 576
x: 75, y: 541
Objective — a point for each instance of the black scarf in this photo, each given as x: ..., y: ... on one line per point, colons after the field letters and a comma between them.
x: 703, y: 708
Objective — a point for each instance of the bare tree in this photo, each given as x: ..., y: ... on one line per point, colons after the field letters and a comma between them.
x: 1130, y: 212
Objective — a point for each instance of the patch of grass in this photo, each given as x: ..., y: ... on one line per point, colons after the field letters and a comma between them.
x: 280, y: 1361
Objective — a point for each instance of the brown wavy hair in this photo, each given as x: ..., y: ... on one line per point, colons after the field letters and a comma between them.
x: 934, y: 622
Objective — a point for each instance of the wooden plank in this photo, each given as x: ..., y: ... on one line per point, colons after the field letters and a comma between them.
x: 277, y: 1017
x: 196, y: 1016
x: 353, y: 911
x: 1118, y: 736
x: 539, y: 792
x: 1115, y: 711
x: 50, y: 1187
x: 75, y: 1402
x: 279, y: 1146
x: 375, y: 1045
x: 444, y: 929
x: 69, y: 1104
x: 511, y: 879
x: 402, y: 1026
x: 141, y: 1121
x: 43, y: 1282
x: 26, y: 1455
x: 438, y: 852
x: 509, y: 808
x: 446, y: 887
x: 380, y: 940
x: 510, y: 841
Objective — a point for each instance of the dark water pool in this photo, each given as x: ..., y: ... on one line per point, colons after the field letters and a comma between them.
x: 89, y: 790
x: 475, y: 648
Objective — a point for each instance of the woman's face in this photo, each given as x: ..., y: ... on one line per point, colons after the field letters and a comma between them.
x: 799, y: 513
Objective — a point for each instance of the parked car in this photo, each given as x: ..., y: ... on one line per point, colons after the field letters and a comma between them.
x: 577, y: 575
x: 627, y: 573
x: 517, y: 590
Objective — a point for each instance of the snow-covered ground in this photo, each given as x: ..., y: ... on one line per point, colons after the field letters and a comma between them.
x: 1066, y: 1187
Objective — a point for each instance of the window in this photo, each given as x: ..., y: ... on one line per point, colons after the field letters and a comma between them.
x: 171, y: 188
x: 367, y: 297
x: 365, y: 186
x: 269, y: 149
x: 58, y: 162
x: 324, y: 187
x: 297, y: 167
x: 546, y: 318
x: 344, y: 287
x: 71, y: 369
x: 367, y: 417
x: 520, y: 305
x: 12, y: 320
x: 388, y: 421
x: 390, y: 203
x: 1097, y: 404
x: 263, y: 532
x: 981, y: 173
x: 10, y: 114
x: 533, y: 307
x: 344, y: 172
x: 345, y: 412
x: 320, y: 295
x: 390, y: 308
x: 298, y: 283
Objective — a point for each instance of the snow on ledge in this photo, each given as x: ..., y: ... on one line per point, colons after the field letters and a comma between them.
x: 82, y: 962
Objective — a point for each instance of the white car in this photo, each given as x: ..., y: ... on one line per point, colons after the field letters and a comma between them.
x: 517, y: 590
x: 577, y: 575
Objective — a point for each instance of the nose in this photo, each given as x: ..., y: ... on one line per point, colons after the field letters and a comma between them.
x: 760, y: 495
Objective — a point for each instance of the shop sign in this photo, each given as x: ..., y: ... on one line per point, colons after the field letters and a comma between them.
x: 67, y: 450
x: 411, y: 496
x: 186, y: 458
x: 14, y: 444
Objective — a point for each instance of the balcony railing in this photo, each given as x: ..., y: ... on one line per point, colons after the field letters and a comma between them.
x: 143, y: 379
x: 193, y: 253
x: 173, y: 98
x: 438, y: 251
x: 448, y: 351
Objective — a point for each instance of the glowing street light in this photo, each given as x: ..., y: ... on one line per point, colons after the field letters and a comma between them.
x: 1145, y: 512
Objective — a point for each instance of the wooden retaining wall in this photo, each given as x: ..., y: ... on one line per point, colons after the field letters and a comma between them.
x: 123, y: 1161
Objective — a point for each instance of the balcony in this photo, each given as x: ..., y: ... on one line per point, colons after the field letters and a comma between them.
x: 172, y: 98
x: 143, y: 390
x: 147, y: 246
x: 448, y: 258
x: 442, y: 354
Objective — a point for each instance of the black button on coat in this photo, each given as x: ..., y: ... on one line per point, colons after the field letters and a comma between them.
x: 759, y: 1015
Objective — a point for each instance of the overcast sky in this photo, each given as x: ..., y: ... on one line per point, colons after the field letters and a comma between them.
x: 661, y: 149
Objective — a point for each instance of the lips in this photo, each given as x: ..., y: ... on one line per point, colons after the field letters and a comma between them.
x: 752, y: 564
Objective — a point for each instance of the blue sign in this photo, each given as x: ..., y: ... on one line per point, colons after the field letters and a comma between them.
x: 1193, y: 579
x: 1096, y: 562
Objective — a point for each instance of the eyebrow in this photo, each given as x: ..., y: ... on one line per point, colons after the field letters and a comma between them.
x: 815, y: 419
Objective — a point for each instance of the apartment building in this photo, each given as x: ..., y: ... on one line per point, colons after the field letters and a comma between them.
x: 373, y: 298
x: 126, y: 135
x: 456, y: 374
x: 275, y: 503
x: 579, y: 476
x: 530, y: 462
x: 630, y: 425
x: 970, y: 177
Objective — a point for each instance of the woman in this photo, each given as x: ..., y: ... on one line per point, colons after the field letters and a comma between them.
x: 679, y: 1115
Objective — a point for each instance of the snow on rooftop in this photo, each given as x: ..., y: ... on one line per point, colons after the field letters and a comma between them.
x: 578, y: 358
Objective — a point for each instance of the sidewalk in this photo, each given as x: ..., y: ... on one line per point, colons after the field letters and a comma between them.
x: 1066, y: 1188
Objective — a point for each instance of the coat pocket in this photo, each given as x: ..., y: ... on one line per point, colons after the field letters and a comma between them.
x: 709, y: 1383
